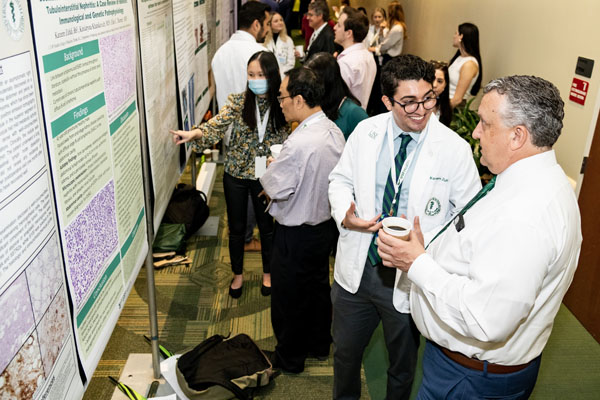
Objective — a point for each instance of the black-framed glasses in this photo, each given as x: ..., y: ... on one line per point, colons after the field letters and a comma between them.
x: 413, y: 106
x: 280, y: 98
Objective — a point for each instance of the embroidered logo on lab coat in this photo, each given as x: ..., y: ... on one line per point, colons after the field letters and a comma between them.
x: 372, y: 134
x: 433, y: 207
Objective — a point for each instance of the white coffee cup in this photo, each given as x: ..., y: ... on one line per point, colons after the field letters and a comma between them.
x: 215, y: 154
x: 397, y: 227
x: 275, y: 150
x: 207, y: 154
x: 300, y: 50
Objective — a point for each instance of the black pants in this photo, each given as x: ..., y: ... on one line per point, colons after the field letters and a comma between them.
x: 236, y: 196
x: 300, y: 297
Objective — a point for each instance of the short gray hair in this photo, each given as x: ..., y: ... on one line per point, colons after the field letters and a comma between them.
x: 533, y: 102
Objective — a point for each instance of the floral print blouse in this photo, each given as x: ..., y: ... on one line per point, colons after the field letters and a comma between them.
x: 243, y: 144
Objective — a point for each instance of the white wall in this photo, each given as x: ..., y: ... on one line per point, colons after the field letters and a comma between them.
x: 533, y: 37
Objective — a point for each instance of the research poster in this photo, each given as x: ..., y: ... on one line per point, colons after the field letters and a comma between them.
x: 202, y: 98
x: 38, y: 358
x: 87, y: 61
x: 160, y: 98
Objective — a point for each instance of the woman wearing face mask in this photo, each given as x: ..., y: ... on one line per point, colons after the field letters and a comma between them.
x: 257, y: 123
x: 278, y: 41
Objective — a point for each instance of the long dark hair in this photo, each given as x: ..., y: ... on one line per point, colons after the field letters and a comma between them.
x: 444, y: 97
x: 328, y: 70
x: 270, y: 68
x: 470, y: 41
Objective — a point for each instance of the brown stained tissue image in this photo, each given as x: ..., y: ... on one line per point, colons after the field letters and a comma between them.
x: 24, y: 373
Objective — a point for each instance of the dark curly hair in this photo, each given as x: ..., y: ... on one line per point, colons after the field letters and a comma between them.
x: 406, y: 67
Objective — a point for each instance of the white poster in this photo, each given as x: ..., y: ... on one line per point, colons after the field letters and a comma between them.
x: 201, y: 61
x: 37, y: 348
x: 160, y: 98
x: 86, y: 53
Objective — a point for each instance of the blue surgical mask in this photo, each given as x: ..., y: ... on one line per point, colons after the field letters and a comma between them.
x: 258, y: 86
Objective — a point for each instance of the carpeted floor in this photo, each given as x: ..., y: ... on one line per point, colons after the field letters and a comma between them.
x: 193, y: 304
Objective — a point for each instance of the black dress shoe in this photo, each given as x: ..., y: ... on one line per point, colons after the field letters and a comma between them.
x: 235, y: 293
x: 265, y: 290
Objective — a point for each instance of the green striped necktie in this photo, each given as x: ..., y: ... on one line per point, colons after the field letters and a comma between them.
x: 462, y: 212
x: 388, y: 196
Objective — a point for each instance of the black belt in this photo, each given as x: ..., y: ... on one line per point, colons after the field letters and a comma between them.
x: 478, y: 365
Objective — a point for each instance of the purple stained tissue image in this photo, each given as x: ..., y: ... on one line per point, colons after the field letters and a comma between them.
x: 17, y: 322
x: 91, y: 239
x: 118, y: 66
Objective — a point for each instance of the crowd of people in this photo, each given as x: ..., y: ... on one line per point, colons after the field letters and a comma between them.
x: 365, y: 135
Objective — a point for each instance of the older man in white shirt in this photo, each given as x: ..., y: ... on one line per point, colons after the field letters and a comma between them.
x: 357, y: 64
x: 487, y: 291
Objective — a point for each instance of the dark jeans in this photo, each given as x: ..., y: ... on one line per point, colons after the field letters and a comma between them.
x: 300, y: 297
x: 445, y: 379
x: 355, y: 317
x: 236, y: 196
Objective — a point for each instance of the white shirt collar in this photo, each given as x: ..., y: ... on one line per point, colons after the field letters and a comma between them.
x: 245, y: 36
x: 354, y: 47
x: 318, y: 31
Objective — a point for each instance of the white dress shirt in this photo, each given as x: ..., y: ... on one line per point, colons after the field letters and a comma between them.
x: 230, y: 64
x: 358, y: 69
x: 492, y: 290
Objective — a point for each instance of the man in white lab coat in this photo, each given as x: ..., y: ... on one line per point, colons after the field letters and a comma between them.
x: 401, y: 162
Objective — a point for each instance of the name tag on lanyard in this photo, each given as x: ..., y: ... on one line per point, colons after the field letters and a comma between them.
x: 260, y: 162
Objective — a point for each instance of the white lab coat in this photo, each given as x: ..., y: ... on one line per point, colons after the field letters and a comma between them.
x: 230, y: 64
x: 444, y: 179
x: 284, y: 52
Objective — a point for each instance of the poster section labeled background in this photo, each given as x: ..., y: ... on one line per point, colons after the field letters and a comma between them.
x: 160, y: 101
x: 86, y: 56
x: 37, y: 349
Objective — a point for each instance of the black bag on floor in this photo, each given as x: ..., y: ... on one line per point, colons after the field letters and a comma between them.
x: 187, y: 206
x: 220, y: 368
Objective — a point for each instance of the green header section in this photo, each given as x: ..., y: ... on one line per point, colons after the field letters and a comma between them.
x: 105, y: 277
x: 217, y: 23
x: 202, y: 45
x: 132, y: 234
x: 118, y: 122
x: 69, y: 55
x: 75, y: 115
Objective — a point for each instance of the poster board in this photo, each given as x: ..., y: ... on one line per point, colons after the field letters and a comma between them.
x: 38, y: 358
x: 87, y: 70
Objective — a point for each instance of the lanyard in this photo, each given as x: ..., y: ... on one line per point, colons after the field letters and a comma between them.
x: 310, y: 122
x: 261, y: 125
x: 407, y: 162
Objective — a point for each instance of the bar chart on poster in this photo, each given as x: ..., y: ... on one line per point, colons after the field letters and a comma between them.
x: 86, y: 53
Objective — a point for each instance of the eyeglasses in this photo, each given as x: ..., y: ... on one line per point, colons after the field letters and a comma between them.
x: 413, y: 106
x: 280, y: 98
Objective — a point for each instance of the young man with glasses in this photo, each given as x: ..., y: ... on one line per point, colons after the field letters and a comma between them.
x: 401, y: 162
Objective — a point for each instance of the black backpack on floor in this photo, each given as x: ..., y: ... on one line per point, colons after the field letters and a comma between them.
x: 187, y: 206
x: 221, y: 368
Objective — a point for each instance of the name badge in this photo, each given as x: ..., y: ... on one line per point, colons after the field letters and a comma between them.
x: 260, y: 166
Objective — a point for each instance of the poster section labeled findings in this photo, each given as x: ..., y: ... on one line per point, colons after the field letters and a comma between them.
x: 86, y: 56
x: 202, y: 98
x: 37, y: 348
x: 160, y: 98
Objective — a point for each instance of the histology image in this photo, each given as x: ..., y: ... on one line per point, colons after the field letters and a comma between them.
x: 118, y: 65
x: 17, y: 322
x: 45, y: 277
x: 53, y: 330
x: 90, y: 240
x: 24, y: 374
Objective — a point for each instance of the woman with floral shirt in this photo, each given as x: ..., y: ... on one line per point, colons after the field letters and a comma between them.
x: 257, y: 123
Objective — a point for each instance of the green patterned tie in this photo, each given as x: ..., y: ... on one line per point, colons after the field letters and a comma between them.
x: 388, y: 196
x: 474, y: 200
